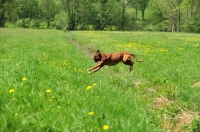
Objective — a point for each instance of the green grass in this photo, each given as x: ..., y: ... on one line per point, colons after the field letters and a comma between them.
x: 54, y: 95
x: 170, y: 59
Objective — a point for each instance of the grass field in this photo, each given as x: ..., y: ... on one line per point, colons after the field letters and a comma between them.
x: 44, y: 84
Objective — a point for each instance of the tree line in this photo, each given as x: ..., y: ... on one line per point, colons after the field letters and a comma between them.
x: 150, y: 15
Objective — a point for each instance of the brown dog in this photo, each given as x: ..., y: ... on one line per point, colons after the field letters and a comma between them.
x: 113, y: 59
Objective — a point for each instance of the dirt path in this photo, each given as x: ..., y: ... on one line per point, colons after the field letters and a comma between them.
x: 88, y: 50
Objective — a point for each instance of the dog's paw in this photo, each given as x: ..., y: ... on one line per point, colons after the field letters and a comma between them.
x: 90, y: 72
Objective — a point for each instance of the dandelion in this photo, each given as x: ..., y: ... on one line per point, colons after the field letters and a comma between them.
x: 94, y: 84
x: 51, y: 100
x: 16, y: 114
x: 163, y: 50
x: 48, y: 90
x: 89, y: 87
x: 80, y: 70
x: 91, y: 113
x: 105, y: 127
x: 11, y: 90
x: 24, y: 79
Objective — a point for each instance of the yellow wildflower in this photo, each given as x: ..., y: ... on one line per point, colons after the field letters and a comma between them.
x: 94, y: 84
x: 24, y: 79
x: 163, y: 50
x: 11, y: 90
x: 91, y: 113
x: 16, y: 114
x: 105, y: 127
x: 48, y: 91
x: 89, y: 87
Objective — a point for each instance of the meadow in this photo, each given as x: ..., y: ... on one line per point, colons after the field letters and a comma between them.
x: 45, y: 86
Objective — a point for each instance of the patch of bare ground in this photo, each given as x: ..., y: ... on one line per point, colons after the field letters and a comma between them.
x: 184, y: 118
x: 176, y: 123
x: 138, y: 82
x: 196, y: 84
x: 87, y: 50
x: 161, y: 101
x: 151, y: 90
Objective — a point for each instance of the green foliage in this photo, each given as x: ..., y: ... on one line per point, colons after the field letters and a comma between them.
x: 196, y: 125
x: 150, y: 15
x: 10, y: 25
x: 193, y: 25
x: 28, y: 23
x: 61, y: 21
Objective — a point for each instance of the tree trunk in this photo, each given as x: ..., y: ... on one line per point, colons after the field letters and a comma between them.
x: 143, y: 18
x: 179, y: 15
x: 48, y: 22
x: 173, y: 17
x: 136, y: 13
x: 123, y: 19
x: 191, y: 10
x: 124, y: 6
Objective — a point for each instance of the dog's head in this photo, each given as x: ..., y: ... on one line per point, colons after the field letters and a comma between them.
x: 97, y: 56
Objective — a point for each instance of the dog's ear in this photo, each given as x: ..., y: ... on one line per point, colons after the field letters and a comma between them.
x: 98, y: 52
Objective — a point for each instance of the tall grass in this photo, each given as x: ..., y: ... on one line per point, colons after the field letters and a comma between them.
x: 170, y: 59
x: 45, y: 85
x: 44, y: 88
x: 170, y: 70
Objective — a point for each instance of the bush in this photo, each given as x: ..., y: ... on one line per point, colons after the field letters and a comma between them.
x: 139, y: 25
x: 192, y: 25
x: 20, y: 23
x: 43, y: 25
x: 30, y: 23
x: 10, y: 25
x: 34, y: 23
x: 61, y: 20
x: 163, y: 26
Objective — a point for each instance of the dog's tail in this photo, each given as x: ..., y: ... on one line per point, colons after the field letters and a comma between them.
x: 136, y: 58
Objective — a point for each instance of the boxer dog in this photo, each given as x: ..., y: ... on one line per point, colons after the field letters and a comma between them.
x: 112, y: 59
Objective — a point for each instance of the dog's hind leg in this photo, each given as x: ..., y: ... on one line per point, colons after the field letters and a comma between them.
x: 130, y: 63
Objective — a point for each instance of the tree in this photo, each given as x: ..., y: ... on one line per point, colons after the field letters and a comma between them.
x: 143, y: 5
x: 2, y: 13
x: 125, y: 4
x: 106, y: 11
x: 10, y: 11
x: 71, y: 6
x: 158, y: 16
x: 48, y: 10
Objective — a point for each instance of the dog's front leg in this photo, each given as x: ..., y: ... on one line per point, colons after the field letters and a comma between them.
x: 95, y: 68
